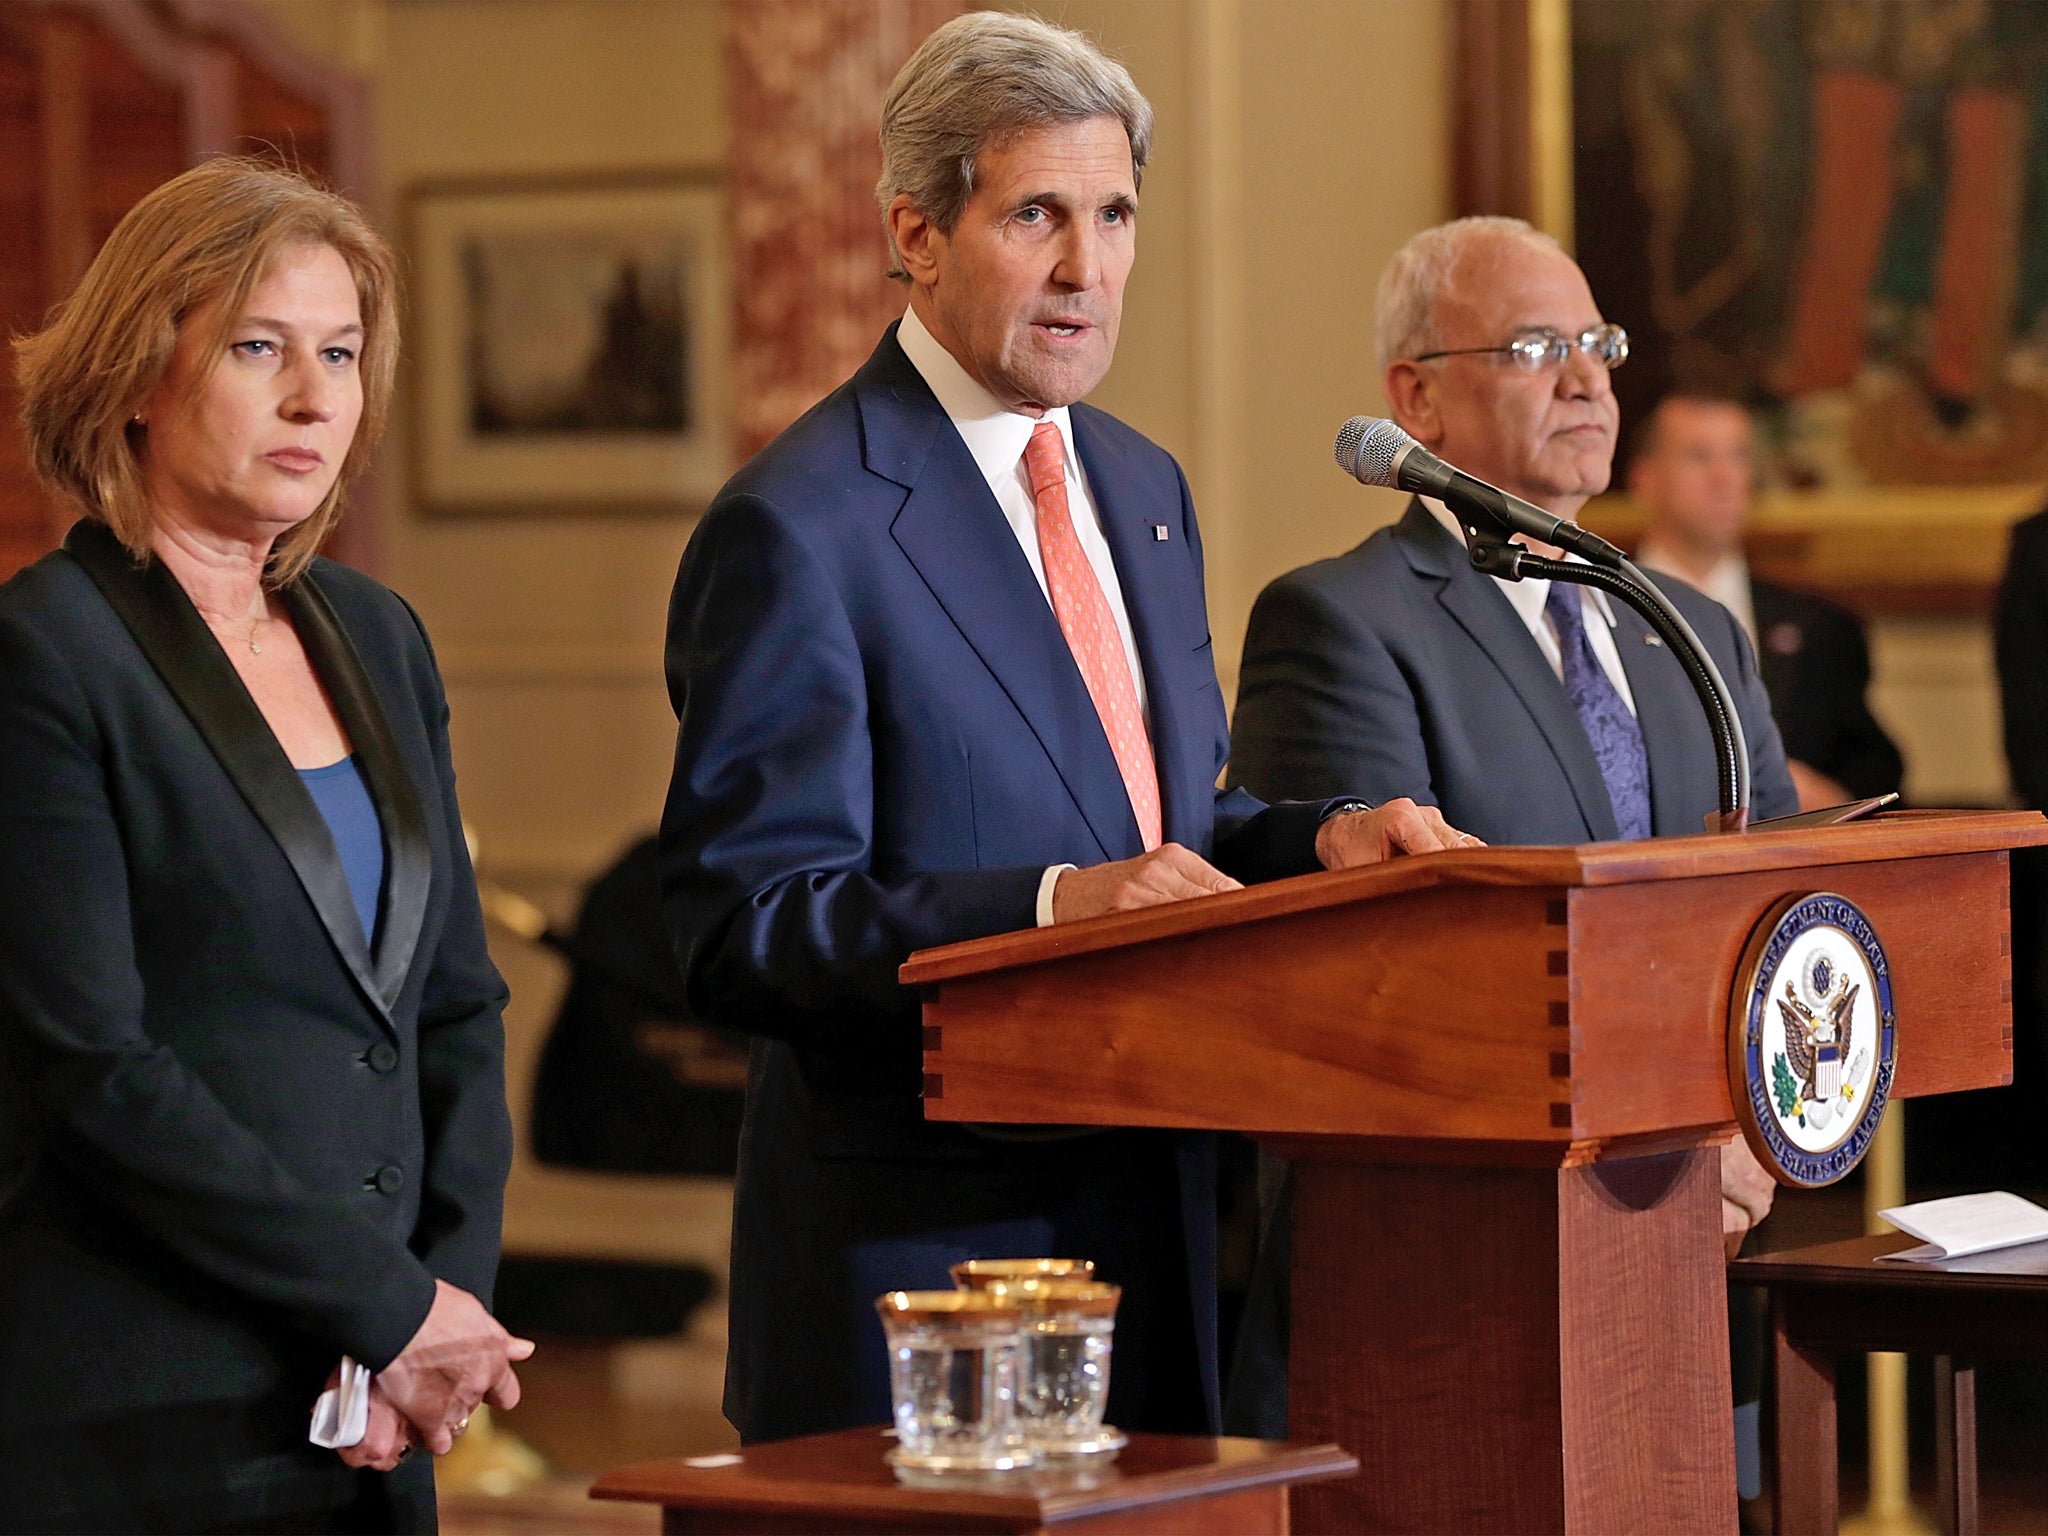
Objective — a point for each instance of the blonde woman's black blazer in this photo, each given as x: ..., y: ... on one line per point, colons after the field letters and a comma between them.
x: 235, y: 1141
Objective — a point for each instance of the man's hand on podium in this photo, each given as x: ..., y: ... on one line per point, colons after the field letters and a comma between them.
x: 1746, y: 1190
x: 1399, y: 826
x: 1168, y: 873
x: 1173, y: 873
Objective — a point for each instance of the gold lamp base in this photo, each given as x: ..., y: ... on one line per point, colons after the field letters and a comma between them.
x: 1891, y: 1511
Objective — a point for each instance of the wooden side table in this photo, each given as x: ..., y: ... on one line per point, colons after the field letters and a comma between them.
x: 1839, y: 1298
x: 1185, y: 1485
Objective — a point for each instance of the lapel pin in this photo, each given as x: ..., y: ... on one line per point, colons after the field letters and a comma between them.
x: 1159, y: 534
x: 1651, y: 640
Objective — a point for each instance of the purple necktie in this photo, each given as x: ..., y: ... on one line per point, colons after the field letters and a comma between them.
x: 1611, y: 727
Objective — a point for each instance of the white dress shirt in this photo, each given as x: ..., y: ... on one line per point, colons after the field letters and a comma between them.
x: 1528, y: 597
x: 1727, y: 583
x: 996, y: 437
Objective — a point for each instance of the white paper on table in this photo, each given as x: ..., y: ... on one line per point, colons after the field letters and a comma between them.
x: 342, y: 1415
x: 1965, y: 1224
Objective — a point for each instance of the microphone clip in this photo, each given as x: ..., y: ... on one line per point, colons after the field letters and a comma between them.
x: 1492, y: 554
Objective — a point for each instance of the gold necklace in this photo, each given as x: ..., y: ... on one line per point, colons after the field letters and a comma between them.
x: 217, y: 623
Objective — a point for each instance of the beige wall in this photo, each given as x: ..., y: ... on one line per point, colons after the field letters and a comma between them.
x: 549, y: 628
x: 1936, y: 691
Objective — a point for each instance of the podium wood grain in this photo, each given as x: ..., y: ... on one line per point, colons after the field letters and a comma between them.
x: 1502, y: 1073
x: 1476, y: 1329
x: 1577, y: 995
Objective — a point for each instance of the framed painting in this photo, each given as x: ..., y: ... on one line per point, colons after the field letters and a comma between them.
x: 570, y: 344
x: 1834, y: 210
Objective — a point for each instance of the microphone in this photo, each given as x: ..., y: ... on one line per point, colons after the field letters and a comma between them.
x: 1377, y: 452
x: 1380, y: 453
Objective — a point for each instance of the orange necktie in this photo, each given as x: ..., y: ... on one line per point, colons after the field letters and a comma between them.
x: 1090, y: 628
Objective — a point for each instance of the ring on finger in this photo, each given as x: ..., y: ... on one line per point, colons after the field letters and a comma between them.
x: 462, y: 1425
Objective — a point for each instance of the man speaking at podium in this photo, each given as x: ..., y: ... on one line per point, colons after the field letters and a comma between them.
x: 1531, y: 711
x: 941, y: 665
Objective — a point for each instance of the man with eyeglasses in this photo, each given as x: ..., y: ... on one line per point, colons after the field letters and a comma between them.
x: 1529, y: 715
x: 1529, y: 712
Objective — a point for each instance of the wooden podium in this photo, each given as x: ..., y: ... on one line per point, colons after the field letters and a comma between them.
x: 1503, y: 1075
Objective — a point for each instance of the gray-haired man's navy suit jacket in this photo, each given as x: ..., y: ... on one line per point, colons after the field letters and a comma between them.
x: 883, y: 743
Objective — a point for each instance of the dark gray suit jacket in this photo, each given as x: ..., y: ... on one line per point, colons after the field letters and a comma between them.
x: 1397, y: 669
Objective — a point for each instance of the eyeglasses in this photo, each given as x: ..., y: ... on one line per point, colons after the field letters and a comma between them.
x: 1547, y: 348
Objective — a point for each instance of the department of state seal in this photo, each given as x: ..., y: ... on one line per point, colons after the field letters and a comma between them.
x: 1811, y: 1039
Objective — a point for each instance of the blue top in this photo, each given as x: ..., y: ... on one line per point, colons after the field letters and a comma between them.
x: 344, y: 800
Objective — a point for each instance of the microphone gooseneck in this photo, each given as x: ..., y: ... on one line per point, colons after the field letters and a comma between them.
x: 1378, y: 452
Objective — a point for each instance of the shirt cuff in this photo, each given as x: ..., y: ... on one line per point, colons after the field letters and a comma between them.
x: 1046, y: 882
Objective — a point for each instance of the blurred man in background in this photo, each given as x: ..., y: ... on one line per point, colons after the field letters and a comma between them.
x: 1694, y: 475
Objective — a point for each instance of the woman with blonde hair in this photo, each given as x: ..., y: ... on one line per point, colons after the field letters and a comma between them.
x: 252, y: 1111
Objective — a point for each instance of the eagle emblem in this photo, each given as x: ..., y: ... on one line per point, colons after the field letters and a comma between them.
x: 1812, y: 1038
x: 1818, y: 1030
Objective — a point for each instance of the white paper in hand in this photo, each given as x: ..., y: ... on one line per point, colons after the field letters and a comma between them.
x: 1965, y: 1224
x: 342, y: 1416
